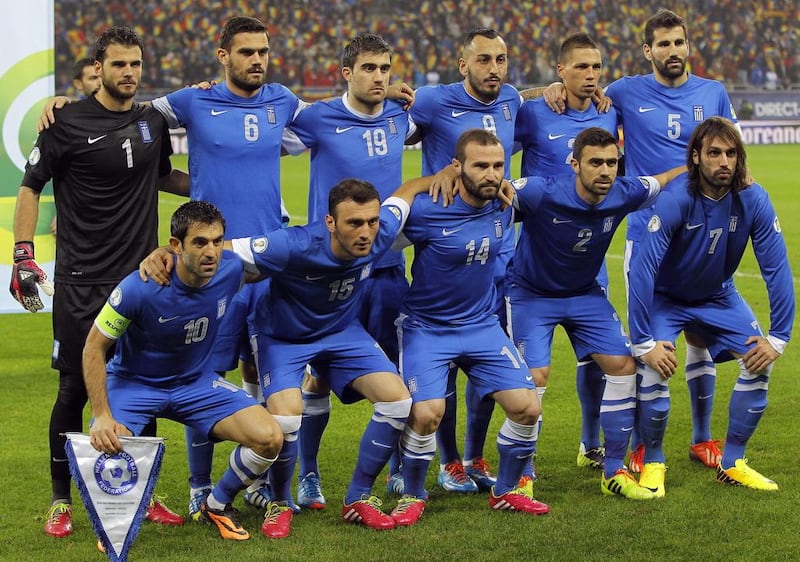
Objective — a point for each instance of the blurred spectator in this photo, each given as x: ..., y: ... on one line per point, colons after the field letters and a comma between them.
x: 731, y: 40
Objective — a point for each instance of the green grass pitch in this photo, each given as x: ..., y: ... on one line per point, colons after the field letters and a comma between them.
x: 698, y: 519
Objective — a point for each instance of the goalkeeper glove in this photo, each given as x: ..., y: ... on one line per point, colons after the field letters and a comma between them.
x: 25, y: 276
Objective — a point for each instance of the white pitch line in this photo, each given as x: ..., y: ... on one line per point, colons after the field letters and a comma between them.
x: 743, y: 274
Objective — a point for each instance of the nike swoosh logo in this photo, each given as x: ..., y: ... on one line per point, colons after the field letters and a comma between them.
x: 551, y: 136
x: 162, y: 320
x: 382, y: 445
x: 314, y: 277
x: 626, y: 428
x: 693, y: 226
x: 646, y: 109
x: 458, y: 113
x: 214, y: 112
x: 706, y: 397
x: 446, y: 232
x: 655, y: 419
x: 561, y: 221
x: 203, y: 444
x: 342, y: 129
x: 529, y: 378
x: 94, y: 140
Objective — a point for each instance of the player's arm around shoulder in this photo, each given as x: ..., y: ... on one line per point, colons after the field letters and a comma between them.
x: 270, y: 253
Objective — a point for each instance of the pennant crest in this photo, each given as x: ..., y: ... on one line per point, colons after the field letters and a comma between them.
x: 116, y: 489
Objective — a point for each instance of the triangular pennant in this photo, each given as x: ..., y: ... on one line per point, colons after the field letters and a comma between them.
x: 116, y: 489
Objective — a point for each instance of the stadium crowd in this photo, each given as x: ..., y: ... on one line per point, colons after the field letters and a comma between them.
x: 751, y: 43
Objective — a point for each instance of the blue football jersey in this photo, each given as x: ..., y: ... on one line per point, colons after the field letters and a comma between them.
x: 455, y: 254
x: 547, y: 137
x: 443, y: 112
x: 312, y: 292
x: 172, y: 328
x: 693, y: 245
x: 658, y: 121
x: 568, y: 236
x: 345, y: 143
x: 234, y: 150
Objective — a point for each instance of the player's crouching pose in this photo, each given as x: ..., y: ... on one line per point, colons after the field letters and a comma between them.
x: 701, y: 228
x: 320, y: 272
x: 164, y: 338
x: 449, y: 316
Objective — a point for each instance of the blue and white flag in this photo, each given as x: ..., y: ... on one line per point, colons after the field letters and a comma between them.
x: 116, y: 489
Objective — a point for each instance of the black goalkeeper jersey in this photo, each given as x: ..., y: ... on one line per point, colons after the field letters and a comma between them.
x: 105, y: 167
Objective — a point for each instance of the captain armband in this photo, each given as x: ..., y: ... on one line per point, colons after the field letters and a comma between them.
x: 111, y: 323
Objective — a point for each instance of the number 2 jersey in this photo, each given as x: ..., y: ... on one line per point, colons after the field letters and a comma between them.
x: 568, y: 236
x: 105, y: 167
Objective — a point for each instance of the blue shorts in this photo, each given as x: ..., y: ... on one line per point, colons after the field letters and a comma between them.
x: 483, y: 351
x: 380, y: 306
x: 200, y: 403
x: 589, y: 319
x: 724, y: 323
x: 338, y: 359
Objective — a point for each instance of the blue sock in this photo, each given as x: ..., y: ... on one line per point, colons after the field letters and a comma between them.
x: 747, y: 405
x: 636, y: 438
x: 653, y: 408
x: 515, y: 443
x: 617, y: 413
x: 282, y: 470
x: 479, y: 415
x: 417, y: 453
x: 316, y: 413
x: 394, y: 463
x: 377, y: 444
x: 200, y: 452
x: 244, y: 467
x: 446, y: 434
x: 590, y: 382
x: 701, y: 377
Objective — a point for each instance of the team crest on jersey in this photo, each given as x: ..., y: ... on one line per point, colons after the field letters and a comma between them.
x: 698, y: 113
x: 506, y: 111
x: 412, y: 385
x: 222, y: 304
x: 365, y: 271
x: 259, y: 245
x: 144, y: 130
x: 498, y: 228
x: 519, y: 183
x: 116, y: 297
x: 392, y: 126
x: 271, y: 114
x: 34, y: 156
x: 776, y: 225
x: 266, y: 380
x: 608, y: 224
x: 732, y: 223
x: 654, y: 224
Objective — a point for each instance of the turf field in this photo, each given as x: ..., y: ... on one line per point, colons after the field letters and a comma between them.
x: 697, y: 520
